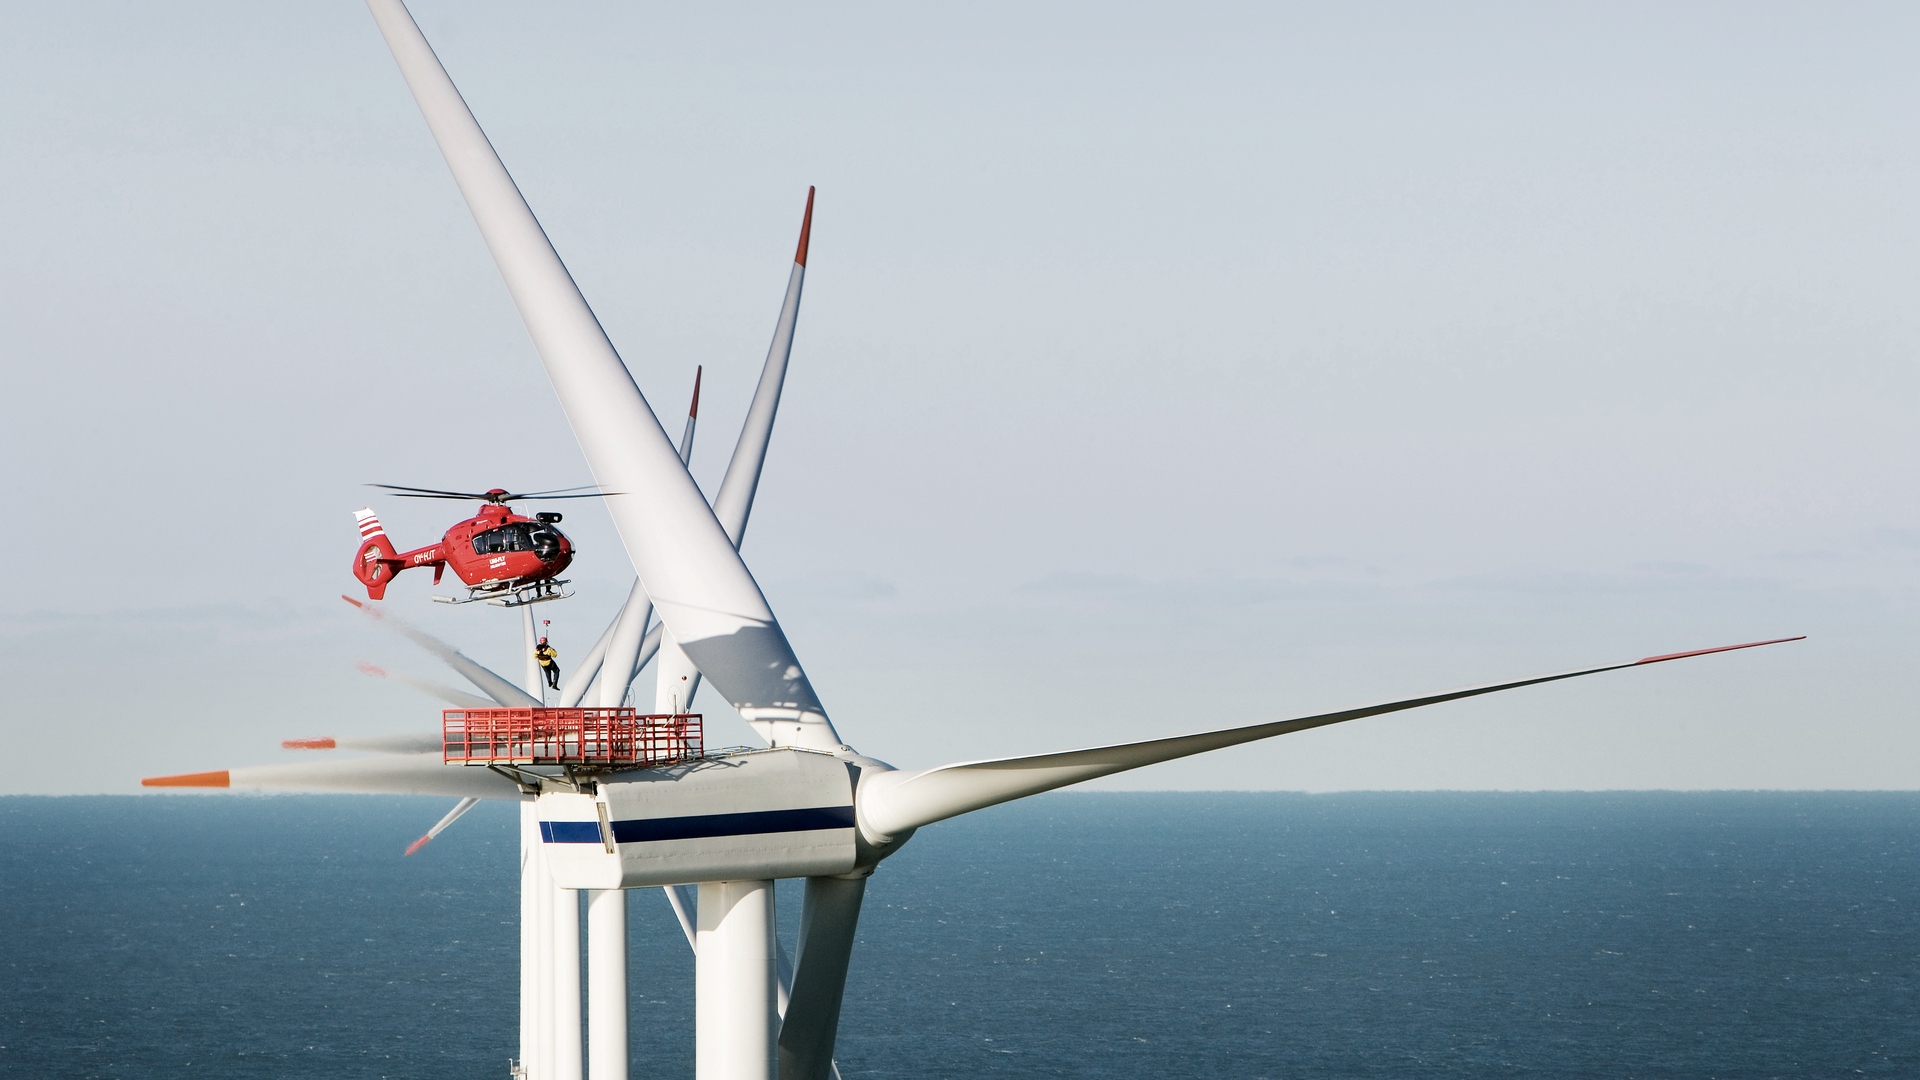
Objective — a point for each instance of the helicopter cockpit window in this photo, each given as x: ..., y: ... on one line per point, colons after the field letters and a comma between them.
x: 518, y: 536
x: 506, y: 538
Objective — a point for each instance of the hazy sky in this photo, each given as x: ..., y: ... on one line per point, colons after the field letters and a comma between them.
x: 1161, y: 368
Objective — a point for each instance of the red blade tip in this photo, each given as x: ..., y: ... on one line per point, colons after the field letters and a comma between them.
x: 308, y: 744
x: 806, y: 230
x: 417, y: 845
x: 1723, y: 648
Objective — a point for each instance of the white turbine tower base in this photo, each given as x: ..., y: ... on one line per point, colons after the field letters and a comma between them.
x: 529, y: 929
x: 566, y: 982
x: 735, y: 1021
x: 607, y: 984
x: 555, y: 956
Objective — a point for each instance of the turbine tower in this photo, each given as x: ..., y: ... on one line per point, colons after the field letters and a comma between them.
x: 807, y: 806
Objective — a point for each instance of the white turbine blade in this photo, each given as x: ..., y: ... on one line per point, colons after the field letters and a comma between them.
x: 584, y: 684
x: 457, y: 698
x: 592, y: 692
x: 782, y: 978
x: 735, y: 500
x: 650, y: 647
x: 623, y: 652
x: 576, y: 685
x: 376, y: 744
x: 500, y: 690
x: 828, y: 918
x: 676, y: 680
x: 678, y: 548
x: 891, y: 803
x: 684, y: 898
x: 411, y: 774
x: 453, y: 815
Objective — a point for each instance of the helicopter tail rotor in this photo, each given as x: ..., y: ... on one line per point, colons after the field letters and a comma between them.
x: 376, y: 562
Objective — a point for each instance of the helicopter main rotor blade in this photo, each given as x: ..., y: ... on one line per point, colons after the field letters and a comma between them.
x: 891, y: 803
x: 688, y: 563
x: 558, y: 493
x: 432, y: 493
x: 488, y: 496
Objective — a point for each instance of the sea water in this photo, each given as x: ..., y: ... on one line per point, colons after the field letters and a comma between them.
x: 1078, y: 934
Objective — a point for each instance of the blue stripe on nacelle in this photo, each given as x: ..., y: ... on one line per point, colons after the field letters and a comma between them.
x: 570, y: 832
x: 642, y: 830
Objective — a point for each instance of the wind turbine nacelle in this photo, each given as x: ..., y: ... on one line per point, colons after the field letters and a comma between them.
x: 744, y: 817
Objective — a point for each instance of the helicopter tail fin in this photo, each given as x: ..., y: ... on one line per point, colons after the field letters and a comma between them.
x: 376, y: 562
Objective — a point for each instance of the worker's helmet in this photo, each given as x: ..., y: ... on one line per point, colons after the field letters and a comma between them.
x: 543, y: 641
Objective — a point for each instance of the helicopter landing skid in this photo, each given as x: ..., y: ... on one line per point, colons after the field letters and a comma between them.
x: 537, y: 593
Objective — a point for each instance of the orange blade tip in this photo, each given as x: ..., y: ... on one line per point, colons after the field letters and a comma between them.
x: 418, y: 844
x: 351, y: 600
x: 308, y: 744
x: 192, y: 779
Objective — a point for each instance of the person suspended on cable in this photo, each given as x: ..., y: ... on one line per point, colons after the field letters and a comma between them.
x: 549, y: 658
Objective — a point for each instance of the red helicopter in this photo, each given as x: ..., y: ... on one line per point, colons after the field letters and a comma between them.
x: 503, y: 558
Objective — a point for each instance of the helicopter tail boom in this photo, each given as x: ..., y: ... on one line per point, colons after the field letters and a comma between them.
x: 376, y: 562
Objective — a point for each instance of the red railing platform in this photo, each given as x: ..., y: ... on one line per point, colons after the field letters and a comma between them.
x: 568, y: 737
